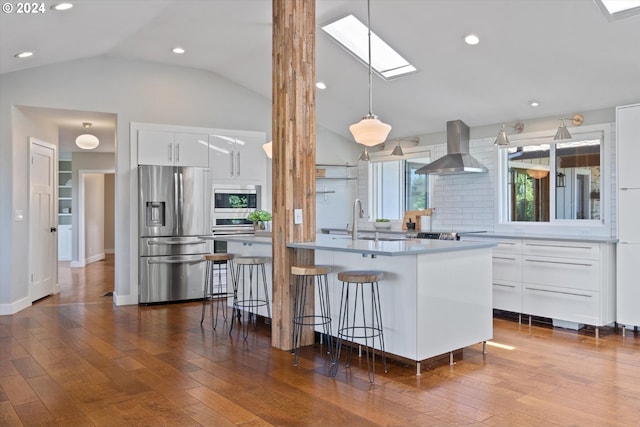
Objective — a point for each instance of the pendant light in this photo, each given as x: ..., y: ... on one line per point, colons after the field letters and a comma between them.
x: 86, y: 141
x: 268, y: 149
x: 370, y: 130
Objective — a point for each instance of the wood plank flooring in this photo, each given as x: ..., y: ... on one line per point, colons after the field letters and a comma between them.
x: 74, y: 359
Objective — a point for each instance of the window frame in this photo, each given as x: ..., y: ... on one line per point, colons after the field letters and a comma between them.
x: 570, y: 226
x: 418, y: 152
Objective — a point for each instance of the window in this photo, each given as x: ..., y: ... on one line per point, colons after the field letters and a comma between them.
x: 394, y: 187
x: 549, y: 181
x: 352, y: 34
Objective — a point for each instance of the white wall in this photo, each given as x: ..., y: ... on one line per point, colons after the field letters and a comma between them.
x: 333, y: 210
x: 94, y: 217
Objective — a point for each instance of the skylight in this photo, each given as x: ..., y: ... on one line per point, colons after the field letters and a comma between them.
x: 352, y: 35
x: 616, y: 9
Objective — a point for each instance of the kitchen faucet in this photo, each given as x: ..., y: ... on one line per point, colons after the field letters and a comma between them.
x: 357, y: 213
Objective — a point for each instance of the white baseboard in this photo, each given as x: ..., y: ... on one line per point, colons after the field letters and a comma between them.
x: 76, y: 264
x: 15, y: 306
x: 95, y: 258
x: 109, y: 251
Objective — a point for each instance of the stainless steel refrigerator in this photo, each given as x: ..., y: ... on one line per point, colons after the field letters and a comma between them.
x: 172, y: 214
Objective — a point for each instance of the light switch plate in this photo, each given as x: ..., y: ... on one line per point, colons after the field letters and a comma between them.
x: 297, y: 216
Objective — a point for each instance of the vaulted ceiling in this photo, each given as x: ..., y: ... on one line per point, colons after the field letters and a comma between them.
x: 564, y: 53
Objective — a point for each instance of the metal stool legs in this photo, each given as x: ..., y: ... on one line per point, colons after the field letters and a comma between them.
x: 300, y: 319
x: 216, y: 265
x: 249, y: 270
x: 352, y: 326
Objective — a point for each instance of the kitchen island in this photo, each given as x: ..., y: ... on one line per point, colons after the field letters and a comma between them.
x: 436, y: 295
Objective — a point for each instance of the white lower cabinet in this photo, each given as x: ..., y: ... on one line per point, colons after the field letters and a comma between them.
x: 568, y: 281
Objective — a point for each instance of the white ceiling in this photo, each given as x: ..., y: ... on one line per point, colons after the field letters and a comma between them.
x: 563, y: 53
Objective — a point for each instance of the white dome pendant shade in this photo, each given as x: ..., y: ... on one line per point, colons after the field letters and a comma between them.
x: 86, y: 141
x: 268, y: 149
x: 370, y: 130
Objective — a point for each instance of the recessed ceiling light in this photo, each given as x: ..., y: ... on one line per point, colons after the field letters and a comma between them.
x: 62, y: 6
x: 23, y: 55
x: 178, y: 50
x: 472, y: 40
x: 321, y: 85
x: 534, y: 103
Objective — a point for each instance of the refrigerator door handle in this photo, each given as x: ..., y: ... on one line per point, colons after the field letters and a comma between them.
x: 232, y: 154
x: 177, y: 261
x: 238, y: 163
x: 176, y: 200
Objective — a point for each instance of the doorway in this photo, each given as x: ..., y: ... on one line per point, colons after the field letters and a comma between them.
x: 96, y: 212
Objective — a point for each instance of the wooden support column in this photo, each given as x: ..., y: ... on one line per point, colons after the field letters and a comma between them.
x: 294, y: 154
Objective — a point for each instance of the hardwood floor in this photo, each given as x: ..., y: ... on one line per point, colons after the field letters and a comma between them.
x: 76, y: 360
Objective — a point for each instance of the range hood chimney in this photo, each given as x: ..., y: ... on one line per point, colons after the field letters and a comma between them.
x: 457, y: 159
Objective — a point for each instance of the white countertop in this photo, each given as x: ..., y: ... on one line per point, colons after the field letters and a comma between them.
x: 339, y: 243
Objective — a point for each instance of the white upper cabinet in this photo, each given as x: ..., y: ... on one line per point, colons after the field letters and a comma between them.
x: 237, y: 156
x: 628, y: 134
x: 172, y: 148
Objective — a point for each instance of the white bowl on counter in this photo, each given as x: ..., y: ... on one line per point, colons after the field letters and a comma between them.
x: 382, y: 225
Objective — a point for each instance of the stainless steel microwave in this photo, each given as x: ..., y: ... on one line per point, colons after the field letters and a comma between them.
x: 235, y: 199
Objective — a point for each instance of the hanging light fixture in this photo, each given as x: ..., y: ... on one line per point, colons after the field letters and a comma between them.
x: 364, y: 156
x: 268, y: 149
x: 397, y: 150
x: 502, y: 135
x: 370, y: 130
x: 86, y: 141
x: 563, y: 132
x: 537, y: 173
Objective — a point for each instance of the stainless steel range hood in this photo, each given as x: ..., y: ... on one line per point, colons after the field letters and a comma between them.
x: 457, y: 159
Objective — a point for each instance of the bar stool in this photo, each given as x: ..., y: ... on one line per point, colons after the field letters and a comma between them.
x: 353, y: 325
x: 217, y: 292
x: 306, y: 276
x: 250, y: 269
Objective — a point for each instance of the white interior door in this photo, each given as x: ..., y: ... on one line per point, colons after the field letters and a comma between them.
x: 42, y: 220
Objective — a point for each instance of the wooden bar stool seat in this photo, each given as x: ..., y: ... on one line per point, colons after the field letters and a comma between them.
x: 218, y: 266
x: 249, y: 270
x: 308, y: 276
x: 358, y: 323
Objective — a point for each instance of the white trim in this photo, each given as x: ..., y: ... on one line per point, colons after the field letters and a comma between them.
x: 14, y: 307
x: 95, y: 258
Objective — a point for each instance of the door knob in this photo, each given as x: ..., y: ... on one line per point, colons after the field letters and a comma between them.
x: 54, y: 229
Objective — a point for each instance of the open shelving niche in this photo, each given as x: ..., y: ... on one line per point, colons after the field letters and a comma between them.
x: 65, y: 189
x: 333, y: 172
